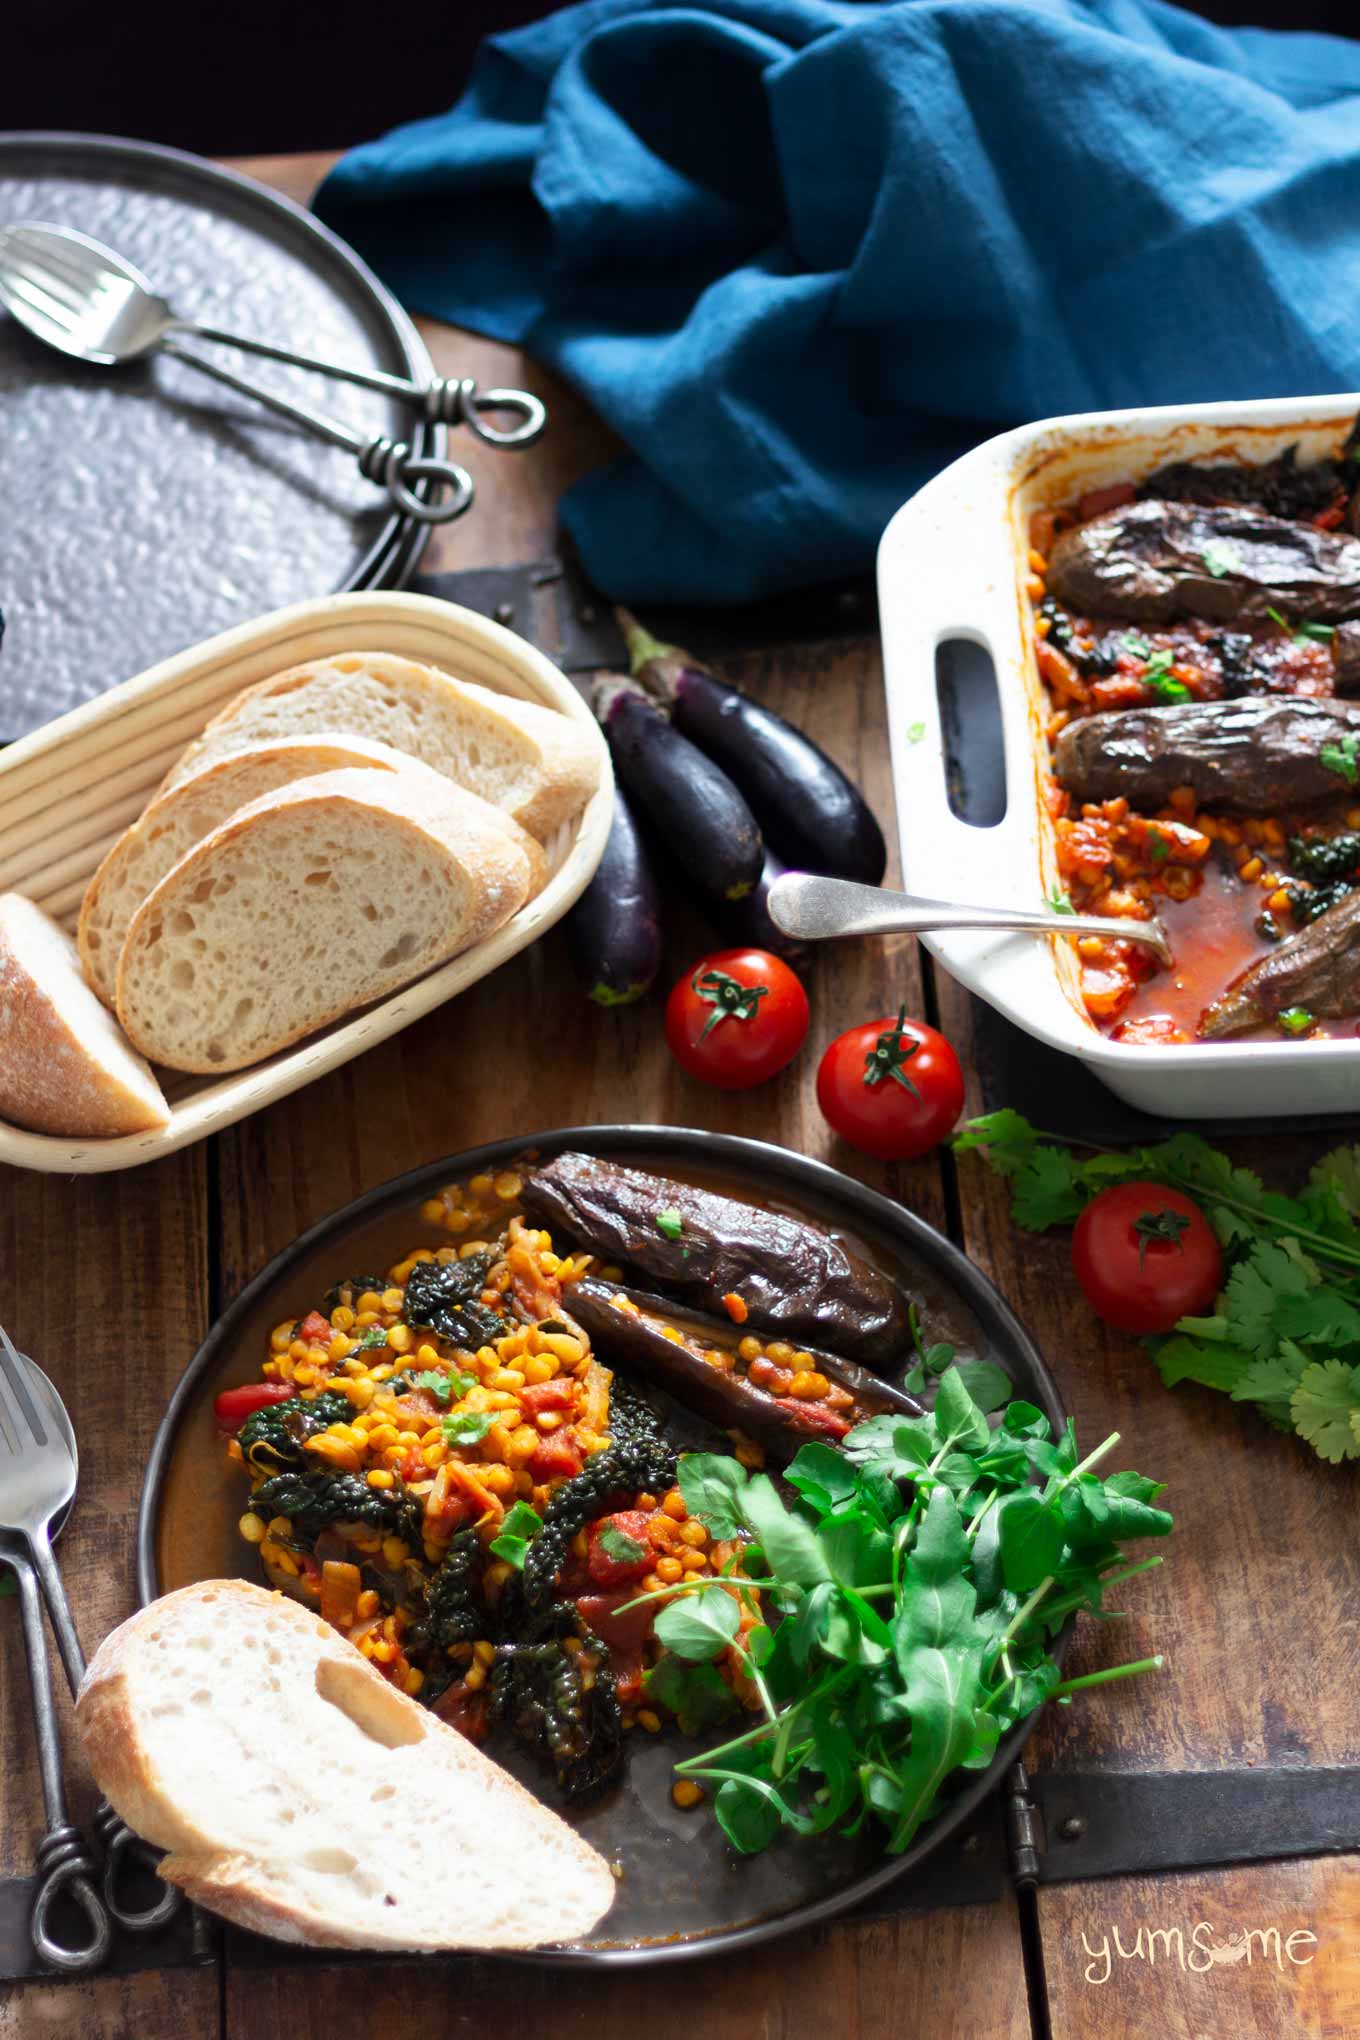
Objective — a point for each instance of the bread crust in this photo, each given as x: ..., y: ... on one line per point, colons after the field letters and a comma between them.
x: 422, y: 804
x: 55, y: 1075
x: 119, y: 1744
x: 569, y: 765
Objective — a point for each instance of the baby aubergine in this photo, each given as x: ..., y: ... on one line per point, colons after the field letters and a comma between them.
x: 614, y: 930
x: 695, y: 1360
x: 689, y: 801
x: 810, y: 813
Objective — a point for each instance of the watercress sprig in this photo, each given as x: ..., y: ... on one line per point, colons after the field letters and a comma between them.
x: 918, y: 1575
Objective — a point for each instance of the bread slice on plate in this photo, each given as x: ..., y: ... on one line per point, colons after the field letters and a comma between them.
x: 307, y: 903
x: 64, y: 1065
x: 177, y: 820
x: 522, y: 757
x: 301, y: 1795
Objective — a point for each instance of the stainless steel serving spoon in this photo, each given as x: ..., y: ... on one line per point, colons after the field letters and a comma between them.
x: 39, y: 1469
x: 81, y: 298
x: 814, y: 909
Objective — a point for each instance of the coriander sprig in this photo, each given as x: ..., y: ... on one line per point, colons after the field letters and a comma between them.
x: 1285, y: 1333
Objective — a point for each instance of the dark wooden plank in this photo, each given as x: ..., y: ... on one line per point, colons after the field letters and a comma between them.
x: 103, y: 1281
x: 954, y: 1975
x: 1254, y: 1604
x: 175, y: 2004
x: 1207, y: 1954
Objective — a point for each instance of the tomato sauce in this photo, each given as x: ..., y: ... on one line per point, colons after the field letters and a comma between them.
x: 1222, y: 885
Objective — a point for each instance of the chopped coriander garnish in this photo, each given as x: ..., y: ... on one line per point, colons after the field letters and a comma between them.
x: 1220, y: 558
x: 1157, y: 676
x: 1137, y: 646
x: 669, y: 1223
x: 1295, y: 1020
x: 619, y: 1547
x: 467, y: 1427
x: 443, y: 1387
x: 915, y: 732
x: 1060, y: 900
x: 375, y: 1335
x: 1276, y: 617
x: 1343, y: 758
x: 522, y: 1524
x: 1158, y: 848
x: 1314, y: 633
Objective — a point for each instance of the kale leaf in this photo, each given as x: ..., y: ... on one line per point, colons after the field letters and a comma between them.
x: 312, y: 1501
x: 445, y: 1299
x: 539, y: 1691
x: 273, y: 1437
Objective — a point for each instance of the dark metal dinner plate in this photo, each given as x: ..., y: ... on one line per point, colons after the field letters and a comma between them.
x: 144, y: 509
x: 683, y: 1891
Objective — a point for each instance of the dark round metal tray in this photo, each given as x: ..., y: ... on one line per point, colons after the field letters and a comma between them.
x: 146, y: 509
x: 683, y: 1891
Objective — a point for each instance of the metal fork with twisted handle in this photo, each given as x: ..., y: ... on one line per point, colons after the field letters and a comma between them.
x: 81, y: 298
x: 38, y: 1474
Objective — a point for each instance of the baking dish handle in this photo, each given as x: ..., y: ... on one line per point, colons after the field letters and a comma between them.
x: 947, y: 569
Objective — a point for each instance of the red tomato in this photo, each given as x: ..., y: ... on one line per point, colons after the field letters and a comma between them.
x: 234, y: 1405
x: 1145, y: 1256
x: 548, y: 1395
x: 892, y: 1088
x: 469, y: 1713
x: 315, y: 1329
x: 624, y: 1635
x: 556, y: 1457
x: 736, y: 1019
x: 607, y: 1560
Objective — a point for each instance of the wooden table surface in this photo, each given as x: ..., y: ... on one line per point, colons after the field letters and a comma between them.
x: 111, y: 1281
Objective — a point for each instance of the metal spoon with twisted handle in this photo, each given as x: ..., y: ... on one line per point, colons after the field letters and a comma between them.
x: 39, y: 1470
x: 82, y: 298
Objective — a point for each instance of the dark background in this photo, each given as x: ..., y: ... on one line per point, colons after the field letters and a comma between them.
x: 259, y: 76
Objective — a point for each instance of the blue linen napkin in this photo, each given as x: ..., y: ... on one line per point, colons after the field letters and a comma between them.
x: 801, y: 253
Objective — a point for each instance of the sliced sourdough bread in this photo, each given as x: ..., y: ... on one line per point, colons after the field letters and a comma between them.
x: 301, y: 1795
x: 64, y: 1064
x: 177, y: 820
x: 307, y: 903
x: 528, y: 760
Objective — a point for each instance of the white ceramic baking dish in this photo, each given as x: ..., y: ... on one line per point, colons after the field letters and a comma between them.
x: 951, y: 565
x: 67, y: 791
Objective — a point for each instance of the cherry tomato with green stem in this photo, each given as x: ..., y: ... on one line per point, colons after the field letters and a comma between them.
x: 892, y: 1088
x: 1146, y: 1256
x: 737, y: 1019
